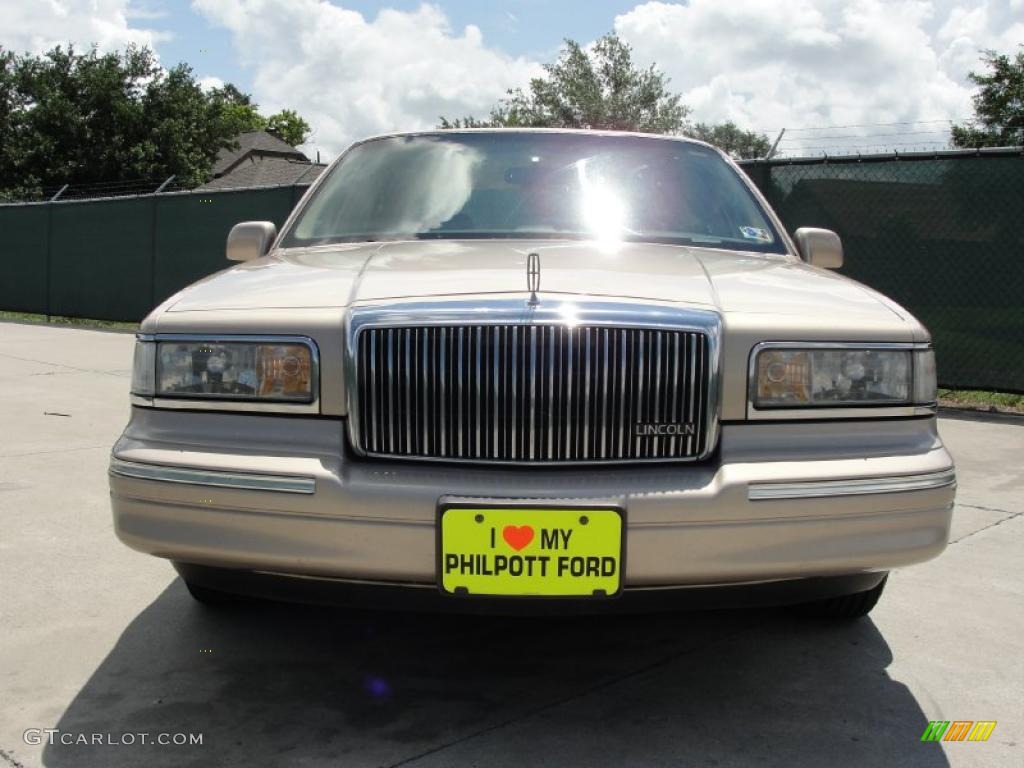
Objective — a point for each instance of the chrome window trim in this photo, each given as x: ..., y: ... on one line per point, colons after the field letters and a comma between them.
x: 825, y: 412
x: 518, y: 313
x: 246, y: 481
x: 857, y: 487
x: 207, y: 403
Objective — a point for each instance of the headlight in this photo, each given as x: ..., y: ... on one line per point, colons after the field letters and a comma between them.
x: 144, y: 368
x: 258, y: 370
x: 926, y: 388
x: 788, y: 376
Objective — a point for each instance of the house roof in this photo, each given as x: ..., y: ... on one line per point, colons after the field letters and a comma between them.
x: 254, y: 143
x: 258, y: 170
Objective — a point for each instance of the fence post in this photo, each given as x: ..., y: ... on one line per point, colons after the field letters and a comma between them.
x: 49, y: 256
x: 167, y: 181
x: 153, y: 222
x: 759, y: 172
x: 49, y: 246
x: 775, y: 146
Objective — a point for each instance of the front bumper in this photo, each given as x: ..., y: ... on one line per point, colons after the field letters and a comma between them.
x: 426, y: 597
x: 776, y: 502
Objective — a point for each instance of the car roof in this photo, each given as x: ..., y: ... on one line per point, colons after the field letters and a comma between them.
x: 579, y: 131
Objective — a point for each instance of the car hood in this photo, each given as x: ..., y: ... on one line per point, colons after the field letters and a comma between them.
x: 368, y: 273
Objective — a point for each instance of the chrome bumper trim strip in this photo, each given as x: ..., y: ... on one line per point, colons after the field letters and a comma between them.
x: 238, y: 480
x: 858, y: 487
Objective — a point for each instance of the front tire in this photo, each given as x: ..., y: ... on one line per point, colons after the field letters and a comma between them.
x: 845, y: 607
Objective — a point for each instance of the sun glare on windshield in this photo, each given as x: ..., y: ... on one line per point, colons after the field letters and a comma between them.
x: 598, y: 187
x: 603, y: 212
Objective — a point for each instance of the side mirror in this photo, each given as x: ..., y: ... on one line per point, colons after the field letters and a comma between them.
x: 250, y: 240
x: 820, y: 247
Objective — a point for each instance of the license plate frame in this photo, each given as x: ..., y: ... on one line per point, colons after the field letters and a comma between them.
x: 498, y: 508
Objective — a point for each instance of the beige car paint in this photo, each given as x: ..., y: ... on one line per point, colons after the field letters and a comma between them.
x: 689, y: 524
x: 760, y: 297
x: 375, y: 520
x: 343, y: 274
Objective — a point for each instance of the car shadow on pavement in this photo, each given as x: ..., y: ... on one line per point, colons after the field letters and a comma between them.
x: 269, y: 684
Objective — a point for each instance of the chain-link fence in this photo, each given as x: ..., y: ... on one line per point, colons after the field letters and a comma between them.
x: 941, y: 234
x: 95, y: 190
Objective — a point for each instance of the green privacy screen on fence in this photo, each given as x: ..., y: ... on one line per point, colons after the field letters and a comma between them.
x: 942, y: 235
x: 115, y: 259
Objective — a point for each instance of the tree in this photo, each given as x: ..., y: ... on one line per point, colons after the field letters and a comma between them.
x: 731, y: 138
x: 466, y: 122
x: 81, y: 118
x: 243, y: 115
x: 289, y: 127
x: 61, y: 114
x: 12, y: 102
x: 237, y: 109
x: 601, y: 89
x: 998, y: 105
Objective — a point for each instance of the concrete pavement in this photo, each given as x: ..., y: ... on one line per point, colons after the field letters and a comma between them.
x: 95, y: 638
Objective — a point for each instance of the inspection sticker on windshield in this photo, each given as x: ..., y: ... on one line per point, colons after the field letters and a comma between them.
x: 564, y: 551
x: 756, y: 233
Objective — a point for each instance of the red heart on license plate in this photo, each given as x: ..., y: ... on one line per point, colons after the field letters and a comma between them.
x: 517, y: 536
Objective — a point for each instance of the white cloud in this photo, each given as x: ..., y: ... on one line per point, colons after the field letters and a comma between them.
x: 972, y: 26
x: 350, y: 76
x: 210, y: 83
x: 38, y: 25
x: 822, y: 62
x: 762, y: 63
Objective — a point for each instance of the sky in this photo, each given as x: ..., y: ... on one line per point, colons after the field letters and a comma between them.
x: 838, y: 75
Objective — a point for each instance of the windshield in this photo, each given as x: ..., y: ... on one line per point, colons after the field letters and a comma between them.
x: 534, y: 185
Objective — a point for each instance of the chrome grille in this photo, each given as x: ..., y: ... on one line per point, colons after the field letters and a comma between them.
x: 531, y: 393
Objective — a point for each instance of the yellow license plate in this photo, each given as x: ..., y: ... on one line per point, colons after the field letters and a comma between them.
x: 530, y: 551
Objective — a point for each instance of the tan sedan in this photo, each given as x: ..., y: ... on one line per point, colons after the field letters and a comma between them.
x: 534, y: 370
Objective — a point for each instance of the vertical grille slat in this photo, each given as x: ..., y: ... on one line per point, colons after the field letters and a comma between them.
x: 552, y: 375
x: 532, y: 393
x: 515, y: 418
x: 375, y: 390
x: 478, y: 356
x: 496, y: 390
x: 691, y: 386
x: 570, y: 385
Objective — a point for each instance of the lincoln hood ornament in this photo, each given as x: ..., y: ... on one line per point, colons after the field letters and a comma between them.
x: 533, y: 277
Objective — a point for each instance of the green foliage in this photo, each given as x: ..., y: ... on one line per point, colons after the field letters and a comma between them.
x: 81, y: 322
x: 731, y: 138
x: 998, y: 105
x: 237, y: 110
x: 981, y: 400
x: 603, y: 89
x: 465, y: 122
x: 80, y: 118
x: 289, y: 127
x: 243, y: 115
